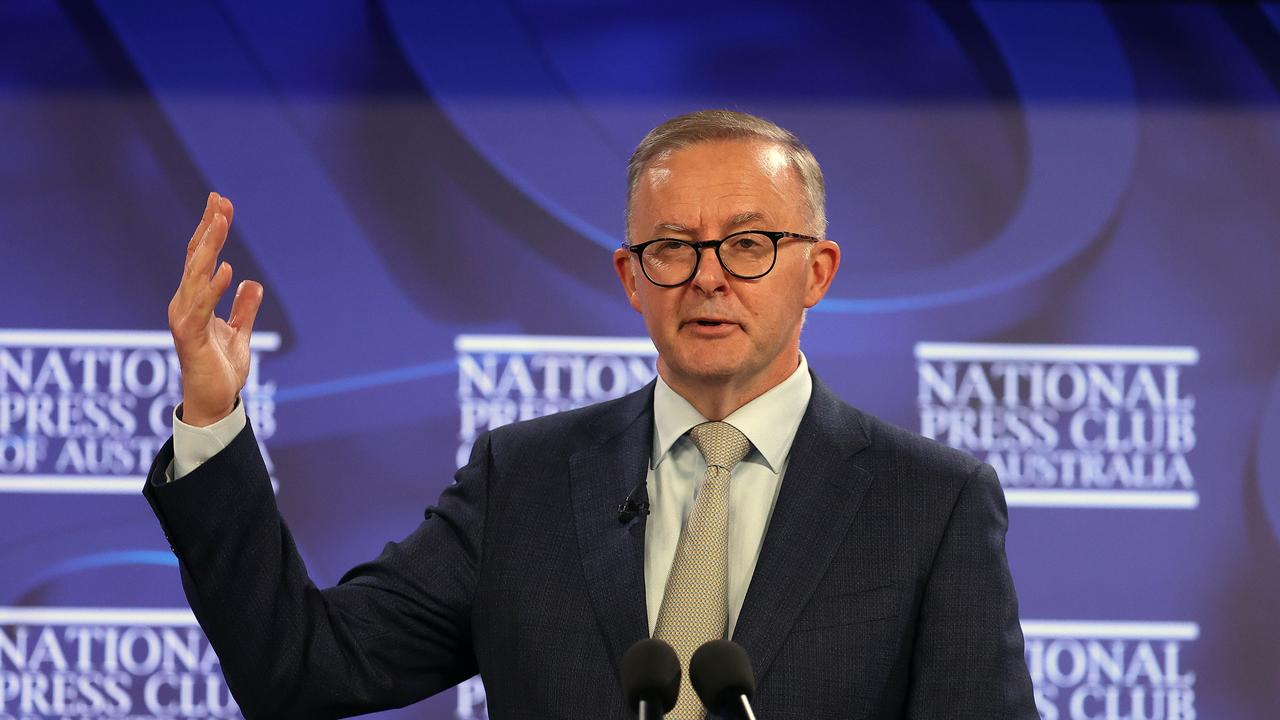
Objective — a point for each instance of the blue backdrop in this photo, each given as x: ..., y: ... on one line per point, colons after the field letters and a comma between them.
x: 1079, y: 196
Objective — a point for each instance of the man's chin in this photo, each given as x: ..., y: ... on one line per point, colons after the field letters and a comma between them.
x: 712, y: 370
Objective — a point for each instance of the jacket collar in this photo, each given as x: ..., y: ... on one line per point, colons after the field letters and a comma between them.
x: 611, y: 467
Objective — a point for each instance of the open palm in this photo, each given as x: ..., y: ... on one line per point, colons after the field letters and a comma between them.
x: 213, y: 353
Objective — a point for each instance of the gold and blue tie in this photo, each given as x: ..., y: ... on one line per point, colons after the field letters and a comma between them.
x: 695, y: 604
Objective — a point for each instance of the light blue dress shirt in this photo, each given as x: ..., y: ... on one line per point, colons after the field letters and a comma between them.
x: 676, y: 470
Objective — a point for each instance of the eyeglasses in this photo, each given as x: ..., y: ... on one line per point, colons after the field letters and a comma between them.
x: 748, y: 254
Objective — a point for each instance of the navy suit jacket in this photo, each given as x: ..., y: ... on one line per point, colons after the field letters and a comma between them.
x: 881, y: 589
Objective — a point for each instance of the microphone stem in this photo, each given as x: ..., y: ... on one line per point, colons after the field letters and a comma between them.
x: 746, y: 708
x: 649, y: 711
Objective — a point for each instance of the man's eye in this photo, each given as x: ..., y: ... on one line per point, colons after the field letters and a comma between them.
x: 667, y: 249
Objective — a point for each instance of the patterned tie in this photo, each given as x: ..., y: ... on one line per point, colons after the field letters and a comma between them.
x: 695, y: 603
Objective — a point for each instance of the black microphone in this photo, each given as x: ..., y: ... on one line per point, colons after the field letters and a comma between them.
x: 632, y: 507
x: 720, y: 673
x: 651, y: 678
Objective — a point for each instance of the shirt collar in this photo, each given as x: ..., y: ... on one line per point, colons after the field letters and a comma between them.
x: 769, y: 421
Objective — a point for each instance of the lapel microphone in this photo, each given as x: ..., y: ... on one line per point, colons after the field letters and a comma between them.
x: 631, y: 507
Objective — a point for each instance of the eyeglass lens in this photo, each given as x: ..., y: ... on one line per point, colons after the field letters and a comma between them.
x: 672, y: 262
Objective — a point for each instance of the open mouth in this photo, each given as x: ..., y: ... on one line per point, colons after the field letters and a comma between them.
x: 710, y: 323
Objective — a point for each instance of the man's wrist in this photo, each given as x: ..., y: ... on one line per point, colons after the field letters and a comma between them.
x: 203, y: 419
x: 193, y: 446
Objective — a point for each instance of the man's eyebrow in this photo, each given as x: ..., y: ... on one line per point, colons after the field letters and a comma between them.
x: 671, y: 227
x: 742, y: 218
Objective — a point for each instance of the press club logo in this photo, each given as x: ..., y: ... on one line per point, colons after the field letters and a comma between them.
x: 108, y: 663
x: 86, y: 411
x: 506, y: 378
x: 1067, y: 425
x: 1112, y: 670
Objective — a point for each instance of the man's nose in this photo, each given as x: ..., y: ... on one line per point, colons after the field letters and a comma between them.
x: 710, y: 275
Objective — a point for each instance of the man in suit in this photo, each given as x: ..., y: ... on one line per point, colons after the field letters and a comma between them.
x: 861, y: 566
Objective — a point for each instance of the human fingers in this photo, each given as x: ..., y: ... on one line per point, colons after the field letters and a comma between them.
x: 196, y: 297
x: 190, y: 312
x: 218, y: 285
x: 190, y: 286
x: 244, y: 309
x: 210, y: 207
x: 210, y: 245
x: 192, y: 305
x: 226, y: 208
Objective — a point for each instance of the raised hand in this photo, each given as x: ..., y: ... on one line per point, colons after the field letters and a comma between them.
x: 214, y: 353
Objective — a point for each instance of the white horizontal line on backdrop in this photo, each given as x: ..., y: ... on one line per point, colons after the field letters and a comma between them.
x: 1109, y: 630
x: 160, y: 339
x: 553, y: 344
x: 1174, y: 355
x: 175, y: 617
x: 1051, y: 497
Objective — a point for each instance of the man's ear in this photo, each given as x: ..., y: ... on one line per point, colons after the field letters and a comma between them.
x: 824, y: 261
x: 622, y: 264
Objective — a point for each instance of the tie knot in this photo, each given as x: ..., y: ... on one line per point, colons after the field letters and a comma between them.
x: 722, y: 444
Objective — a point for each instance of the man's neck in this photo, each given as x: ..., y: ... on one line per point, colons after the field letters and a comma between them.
x: 717, y: 399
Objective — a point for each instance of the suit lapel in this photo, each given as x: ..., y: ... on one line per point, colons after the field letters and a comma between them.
x: 819, y: 496
x: 615, y: 461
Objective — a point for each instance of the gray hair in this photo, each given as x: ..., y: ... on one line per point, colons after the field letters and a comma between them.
x: 706, y: 125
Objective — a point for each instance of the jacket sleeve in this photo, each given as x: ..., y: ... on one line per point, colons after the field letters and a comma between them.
x: 968, y: 661
x: 393, y: 631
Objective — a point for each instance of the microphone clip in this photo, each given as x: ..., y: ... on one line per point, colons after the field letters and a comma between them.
x: 631, y: 507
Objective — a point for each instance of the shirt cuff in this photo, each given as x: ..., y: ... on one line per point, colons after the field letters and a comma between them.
x: 193, y: 446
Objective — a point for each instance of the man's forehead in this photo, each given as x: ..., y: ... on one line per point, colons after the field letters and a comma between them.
x: 716, y: 186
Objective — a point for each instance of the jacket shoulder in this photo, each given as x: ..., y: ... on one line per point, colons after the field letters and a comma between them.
x: 930, y: 451
x: 568, y: 430
x: 882, y: 445
x: 913, y: 459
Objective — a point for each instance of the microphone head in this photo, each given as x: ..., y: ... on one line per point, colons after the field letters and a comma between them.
x: 651, y: 672
x: 719, y: 672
